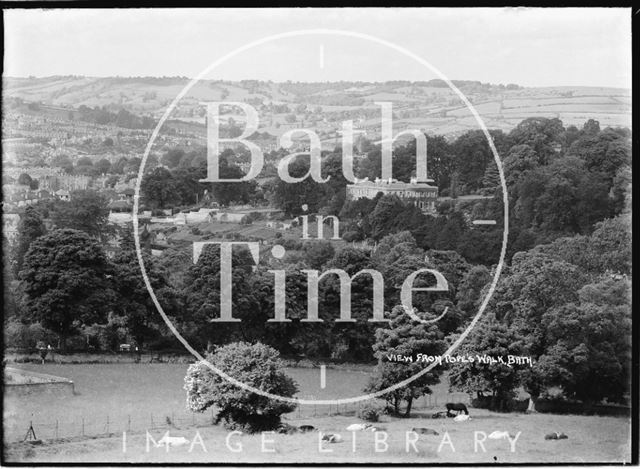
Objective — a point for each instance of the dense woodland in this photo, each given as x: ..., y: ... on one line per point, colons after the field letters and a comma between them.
x: 563, y: 297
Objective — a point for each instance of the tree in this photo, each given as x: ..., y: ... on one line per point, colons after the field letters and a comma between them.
x: 540, y: 133
x: 590, y: 354
x: 384, y: 217
x: 30, y: 228
x: 472, y: 155
x: 119, y: 166
x: 470, y: 289
x: 24, y: 179
x: 607, y: 249
x: 87, y: 210
x: 407, y: 338
x: 159, y: 189
x: 604, y: 151
x: 256, y: 365
x: 172, y: 157
x: 290, y: 197
x: 84, y: 161
x: 188, y: 183
x: 103, y: 166
x: 318, y: 252
x: 494, y: 339
x: 202, y: 297
x: 134, y: 304
x: 228, y: 192
x: 64, y: 277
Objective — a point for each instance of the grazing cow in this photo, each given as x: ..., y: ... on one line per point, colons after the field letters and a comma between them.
x: 286, y: 429
x: 357, y: 427
x: 555, y: 436
x: 167, y: 440
x: 424, y: 431
x: 458, y: 407
x: 332, y: 437
x: 376, y: 429
x: 306, y: 428
x: 497, y: 435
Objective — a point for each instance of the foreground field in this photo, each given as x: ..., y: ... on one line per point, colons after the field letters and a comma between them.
x: 591, y: 439
x: 114, y: 398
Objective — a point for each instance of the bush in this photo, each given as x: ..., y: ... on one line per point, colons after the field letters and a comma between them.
x: 369, y: 413
x: 256, y: 365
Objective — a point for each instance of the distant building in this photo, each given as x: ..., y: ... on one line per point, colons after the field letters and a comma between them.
x: 423, y: 195
x: 63, y: 194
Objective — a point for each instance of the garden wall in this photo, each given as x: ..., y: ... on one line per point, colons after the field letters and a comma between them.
x: 22, y: 383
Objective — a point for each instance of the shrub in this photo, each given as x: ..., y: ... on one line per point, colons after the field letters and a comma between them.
x: 369, y: 413
x: 256, y: 365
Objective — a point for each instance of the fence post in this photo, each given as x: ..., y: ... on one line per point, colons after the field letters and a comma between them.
x: 107, y: 424
x: 82, y: 426
x: 129, y: 422
x: 56, y: 429
x: 315, y: 410
x: 151, y: 415
x: 173, y: 419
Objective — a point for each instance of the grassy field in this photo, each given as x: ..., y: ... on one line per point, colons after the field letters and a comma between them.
x: 112, y: 398
x: 591, y: 439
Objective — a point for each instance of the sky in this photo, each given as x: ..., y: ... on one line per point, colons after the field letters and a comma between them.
x: 526, y: 46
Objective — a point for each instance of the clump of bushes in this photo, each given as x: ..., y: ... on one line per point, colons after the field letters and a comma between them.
x: 369, y: 412
x: 256, y: 365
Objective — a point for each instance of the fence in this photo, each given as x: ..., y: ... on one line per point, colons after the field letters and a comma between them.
x: 91, y: 427
x: 425, y: 402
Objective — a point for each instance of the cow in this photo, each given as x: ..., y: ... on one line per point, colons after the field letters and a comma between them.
x: 286, y: 429
x: 167, y: 440
x: 458, y: 407
x: 306, y: 428
x: 332, y: 437
x: 555, y: 436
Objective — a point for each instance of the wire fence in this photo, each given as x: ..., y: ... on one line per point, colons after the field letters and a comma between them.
x: 109, y: 425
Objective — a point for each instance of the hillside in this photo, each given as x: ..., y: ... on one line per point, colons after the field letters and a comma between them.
x: 430, y: 106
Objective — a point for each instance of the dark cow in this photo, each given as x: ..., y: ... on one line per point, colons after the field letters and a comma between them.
x: 457, y: 407
x: 306, y: 428
x: 555, y: 436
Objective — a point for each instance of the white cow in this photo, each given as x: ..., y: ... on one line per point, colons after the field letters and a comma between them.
x: 461, y: 418
x: 167, y: 440
x: 357, y: 427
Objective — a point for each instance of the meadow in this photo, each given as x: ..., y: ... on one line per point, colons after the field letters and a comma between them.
x: 112, y: 398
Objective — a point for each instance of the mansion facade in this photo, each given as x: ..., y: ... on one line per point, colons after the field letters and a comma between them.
x: 423, y: 195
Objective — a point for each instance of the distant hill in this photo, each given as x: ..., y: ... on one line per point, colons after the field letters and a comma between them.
x: 430, y: 106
